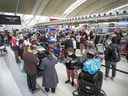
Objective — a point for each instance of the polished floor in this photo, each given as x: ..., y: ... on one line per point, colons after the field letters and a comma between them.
x: 13, y: 80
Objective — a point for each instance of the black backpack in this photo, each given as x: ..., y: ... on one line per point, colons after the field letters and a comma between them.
x: 115, y: 54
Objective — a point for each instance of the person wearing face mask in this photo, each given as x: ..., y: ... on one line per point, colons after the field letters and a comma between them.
x: 83, y: 41
x: 49, y: 74
x: 70, y: 61
x: 74, y: 43
x: 30, y: 63
x: 78, y: 40
x: 68, y: 44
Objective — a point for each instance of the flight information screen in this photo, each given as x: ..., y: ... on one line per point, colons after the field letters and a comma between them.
x: 10, y: 20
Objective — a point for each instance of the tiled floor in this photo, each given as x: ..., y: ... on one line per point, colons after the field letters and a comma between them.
x: 13, y: 82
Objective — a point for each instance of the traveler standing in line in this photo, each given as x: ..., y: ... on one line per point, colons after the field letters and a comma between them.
x: 20, y: 49
x: 14, y: 46
x: 83, y: 41
x: 112, y: 56
x: 30, y: 62
x: 68, y: 44
x: 50, y: 77
x: 78, y: 40
x: 70, y: 61
x: 126, y: 51
x: 13, y: 42
x: 1, y: 39
x: 74, y: 43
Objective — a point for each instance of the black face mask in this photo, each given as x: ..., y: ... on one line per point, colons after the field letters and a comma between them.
x: 89, y: 56
x: 50, y: 57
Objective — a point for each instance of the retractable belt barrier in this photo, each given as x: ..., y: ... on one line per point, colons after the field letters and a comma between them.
x: 117, y: 69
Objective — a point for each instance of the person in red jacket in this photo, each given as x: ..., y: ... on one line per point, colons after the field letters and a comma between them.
x: 13, y: 42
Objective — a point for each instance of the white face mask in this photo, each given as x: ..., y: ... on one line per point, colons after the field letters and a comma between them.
x: 70, y: 53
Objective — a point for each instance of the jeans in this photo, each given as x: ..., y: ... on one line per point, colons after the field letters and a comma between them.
x: 31, y: 81
x: 109, y: 64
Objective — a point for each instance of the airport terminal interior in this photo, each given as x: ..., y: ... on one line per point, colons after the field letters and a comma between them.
x: 63, y: 47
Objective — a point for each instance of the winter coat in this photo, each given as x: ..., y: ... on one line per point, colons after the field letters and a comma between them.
x: 30, y: 63
x: 50, y: 78
x: 109, y: 53
x: 68, y: 44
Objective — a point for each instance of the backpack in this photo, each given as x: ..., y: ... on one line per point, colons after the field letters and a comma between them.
x: 115, y: 55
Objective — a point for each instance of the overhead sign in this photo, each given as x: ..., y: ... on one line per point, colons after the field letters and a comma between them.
x: 10, y: 20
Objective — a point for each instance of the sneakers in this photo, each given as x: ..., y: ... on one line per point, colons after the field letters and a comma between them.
x: 68, y: 81
x: 47, y: 89
x: 34, y: 90
x: 52, y: 90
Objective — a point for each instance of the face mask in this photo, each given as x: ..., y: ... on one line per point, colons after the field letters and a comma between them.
x: 50, y: 57
x: 70, y: 53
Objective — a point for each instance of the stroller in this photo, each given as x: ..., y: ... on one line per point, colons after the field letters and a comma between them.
x: 90, y: 85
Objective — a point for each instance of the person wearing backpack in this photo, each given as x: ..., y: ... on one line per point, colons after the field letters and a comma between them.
x: 112, y: 56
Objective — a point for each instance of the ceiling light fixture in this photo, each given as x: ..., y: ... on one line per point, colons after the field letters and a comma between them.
x: 73, y: 6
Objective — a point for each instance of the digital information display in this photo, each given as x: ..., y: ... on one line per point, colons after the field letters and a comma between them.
x: 10, y: 20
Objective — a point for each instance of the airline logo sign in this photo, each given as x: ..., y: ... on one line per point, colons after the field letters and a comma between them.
x: 10, y: 20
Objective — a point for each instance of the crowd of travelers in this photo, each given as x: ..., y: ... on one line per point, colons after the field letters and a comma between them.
x: 77, y: 50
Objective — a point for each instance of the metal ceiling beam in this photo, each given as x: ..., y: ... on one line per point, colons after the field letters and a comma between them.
x: 34, y: 12
x: 17, y: 6
x: 94, y: 6
x: 36, y: 7
x: 48, y: 1
x: 43, y: 6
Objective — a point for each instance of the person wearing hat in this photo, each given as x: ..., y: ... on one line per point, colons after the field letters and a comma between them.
x: 30, y: 62
x: 49, y: 74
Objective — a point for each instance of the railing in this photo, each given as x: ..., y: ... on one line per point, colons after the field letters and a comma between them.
x: 117, y: 69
